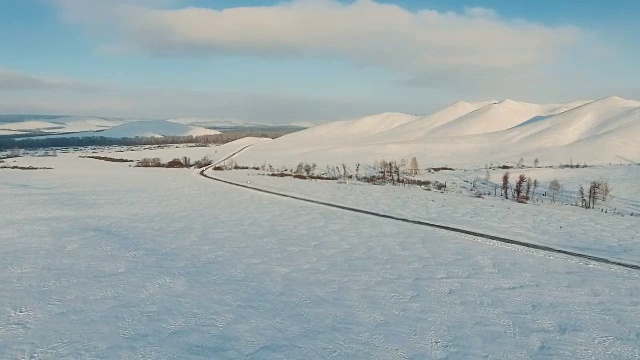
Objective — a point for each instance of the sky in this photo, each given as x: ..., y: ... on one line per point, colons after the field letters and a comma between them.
x: 309, y: 60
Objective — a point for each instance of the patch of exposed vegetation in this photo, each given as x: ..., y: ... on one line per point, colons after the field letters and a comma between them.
x: 24, y: 168
x: 301, y: 176
x: 25, y: 142
x: 176, y: 163
x: 108, y: 159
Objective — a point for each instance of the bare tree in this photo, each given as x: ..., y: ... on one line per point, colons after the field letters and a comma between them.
x: 309, y: 168
x: 397, y: 171
x: 402, y: 165
x: 505, y: 185
x: 583, y: 202
x: 605, y: 190
x: 487, y: 177
x: 528, y: 188
x: 535, y: 185
x: 554, y: 187
x: 592, y: 194
x: 414, y: 169
x: 536, y: 162
x: 520, y: 183
x: 598, y: 190
x: 521, y: 163
x: 391, y: 166
x: 383, y: 168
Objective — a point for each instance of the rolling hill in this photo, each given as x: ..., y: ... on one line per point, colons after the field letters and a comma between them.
x: 147, y: 128
x: 471, y: 135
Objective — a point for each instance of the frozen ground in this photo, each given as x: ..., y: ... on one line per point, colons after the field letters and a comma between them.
x: 104, y: 261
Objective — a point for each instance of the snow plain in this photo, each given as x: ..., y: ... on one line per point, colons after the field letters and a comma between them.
x: 103, y: 260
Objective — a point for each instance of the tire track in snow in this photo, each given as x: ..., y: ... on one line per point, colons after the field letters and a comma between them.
x: 524, y: 244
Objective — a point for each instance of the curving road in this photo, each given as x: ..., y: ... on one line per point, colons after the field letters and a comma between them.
x: 544, y: 248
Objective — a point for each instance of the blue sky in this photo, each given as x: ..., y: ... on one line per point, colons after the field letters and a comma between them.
x: 308, y: 60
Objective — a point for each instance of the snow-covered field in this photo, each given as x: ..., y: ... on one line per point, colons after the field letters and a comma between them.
x: 558, y: 225
x: 103, y: 260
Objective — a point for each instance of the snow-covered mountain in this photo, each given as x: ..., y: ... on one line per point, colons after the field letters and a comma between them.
x: 31, y: 125
x: 52, y: 124
x: 471, y: 134
x: 57, y: 125
x: 147, y: 128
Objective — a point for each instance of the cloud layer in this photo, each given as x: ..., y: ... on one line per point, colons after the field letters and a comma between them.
x: 29, y: 94
x: 11, y: 80
x: 363, y: 32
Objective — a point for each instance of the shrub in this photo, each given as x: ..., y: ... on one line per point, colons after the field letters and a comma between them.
x: 205, y: 161
x: 148, y: 162
x: 106, y: 158
x: 179, y: 163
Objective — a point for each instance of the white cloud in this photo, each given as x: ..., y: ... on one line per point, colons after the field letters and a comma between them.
x: 27, y: 94
x: 11, y: 80
x: 363, y: 32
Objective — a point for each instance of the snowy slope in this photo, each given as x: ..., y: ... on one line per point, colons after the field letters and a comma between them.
x: 422, y: 126
x: 157, y: 128
x: 178, y: 151
x: 601, y: 131
x: 79, y: 124
x: 605, y: 117
x: 306, y: 145
x: 32, y: 125
x: 496, y: 117
x: 343, y: 132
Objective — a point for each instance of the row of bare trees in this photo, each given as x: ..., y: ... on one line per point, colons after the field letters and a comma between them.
x: 305, y: 168
x: 394, y: 172
x: 524, y: 189
x: 183, y: 162
x: 598, y: 190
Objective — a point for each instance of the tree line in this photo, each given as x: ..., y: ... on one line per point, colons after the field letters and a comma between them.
x: 7, y: 143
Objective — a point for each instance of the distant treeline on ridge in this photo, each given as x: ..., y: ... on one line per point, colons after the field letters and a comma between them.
x: 7, y: 143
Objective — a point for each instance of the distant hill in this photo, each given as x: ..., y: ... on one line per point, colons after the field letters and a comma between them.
x: 470, y: 134
x: 38, y: 125
x: 147, y: 128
